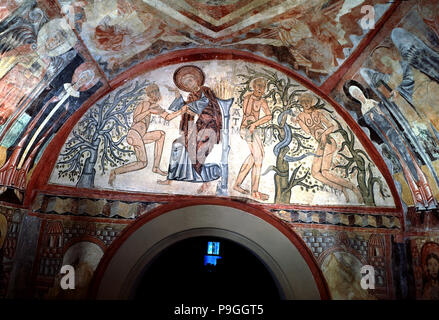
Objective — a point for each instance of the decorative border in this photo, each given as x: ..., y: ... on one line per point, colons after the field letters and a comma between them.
x: 365, y: 220
x: 99, y: 208
x: 131, y: 210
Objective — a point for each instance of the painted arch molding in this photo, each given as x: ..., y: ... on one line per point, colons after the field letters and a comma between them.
x: 290, y: 263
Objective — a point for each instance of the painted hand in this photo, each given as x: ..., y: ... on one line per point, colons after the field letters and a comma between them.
x: 252, y: 128
x: 293, y: 119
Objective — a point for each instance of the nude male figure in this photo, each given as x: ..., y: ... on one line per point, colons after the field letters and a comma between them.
x: 138, y: 135
x: 253, y: 103
x: 315, y: 123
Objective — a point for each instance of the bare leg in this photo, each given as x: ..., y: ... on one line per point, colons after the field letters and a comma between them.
x: 258, y: 155
x: 326, y: 165
x: 317, y: 173
x: 246, y: 166
x: 243, y: 172
x: 204, y: 187
x: 158, y: 137
x: 134, y: 139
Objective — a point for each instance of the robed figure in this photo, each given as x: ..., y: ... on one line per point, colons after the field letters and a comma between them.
x: 200, y: 127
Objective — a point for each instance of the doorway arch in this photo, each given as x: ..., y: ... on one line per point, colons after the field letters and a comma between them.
x: 285, y: 255
x: 207, y: 268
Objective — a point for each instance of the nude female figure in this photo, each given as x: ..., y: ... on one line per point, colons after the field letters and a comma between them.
x: 320, y: 128
x: 138, y: 135
x: 253, y: 103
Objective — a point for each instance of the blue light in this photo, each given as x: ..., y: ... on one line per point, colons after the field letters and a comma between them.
x: 213, y: 248
x: 211, y: 260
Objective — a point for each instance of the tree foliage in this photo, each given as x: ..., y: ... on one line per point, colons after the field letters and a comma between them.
x: 293, y: 145
x: 100, y: 135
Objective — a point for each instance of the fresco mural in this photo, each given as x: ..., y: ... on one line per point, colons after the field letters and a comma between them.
x: 220, y: 128
x: 341, y: 254
x: 313, y: 37
x: 11, y: 227
x: 393, y: 95
x: 342, y: 270
x: 248, y: 119
x: 84, y: 257
x: 44, y: 79
x: 425, y: 257
x: 78, y: 243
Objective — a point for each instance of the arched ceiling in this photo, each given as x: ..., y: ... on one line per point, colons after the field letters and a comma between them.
x: 64, y: 61
x: 313, y: 37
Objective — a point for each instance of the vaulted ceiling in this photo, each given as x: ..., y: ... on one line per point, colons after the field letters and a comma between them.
x: 313, y: 37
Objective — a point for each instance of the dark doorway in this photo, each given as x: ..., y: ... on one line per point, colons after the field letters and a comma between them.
x: 179, y: 273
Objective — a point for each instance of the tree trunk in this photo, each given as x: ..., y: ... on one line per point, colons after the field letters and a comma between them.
x: 365, y: 192
x: 87, y: 178
x: 281, y: 180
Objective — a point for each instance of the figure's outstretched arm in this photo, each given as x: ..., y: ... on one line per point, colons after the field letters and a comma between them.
x: 169, y: 116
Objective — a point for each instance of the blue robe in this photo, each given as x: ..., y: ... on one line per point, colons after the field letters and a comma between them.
x: 188, y: 165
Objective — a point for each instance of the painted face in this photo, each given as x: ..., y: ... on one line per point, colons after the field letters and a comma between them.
x: 433, y: 267
x: 306, y: 102
x: 357, y: 94
x: 153, y: 92
x: 54, y: 41
x: 259, y: 88
x: 85, y: 77
x: 190, y: 82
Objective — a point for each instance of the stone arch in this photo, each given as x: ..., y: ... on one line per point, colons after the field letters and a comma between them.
x: 286, y: 256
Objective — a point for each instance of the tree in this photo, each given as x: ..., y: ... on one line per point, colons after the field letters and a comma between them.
x: 282, y: 93
x: 356, y: 161
x: 293, y: 146
x: 100, y: 137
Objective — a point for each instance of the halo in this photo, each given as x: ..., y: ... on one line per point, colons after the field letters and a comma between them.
x: 185, y: 70
x: 427, y: 248
x: 51, y: 28
x: 83, y: 67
